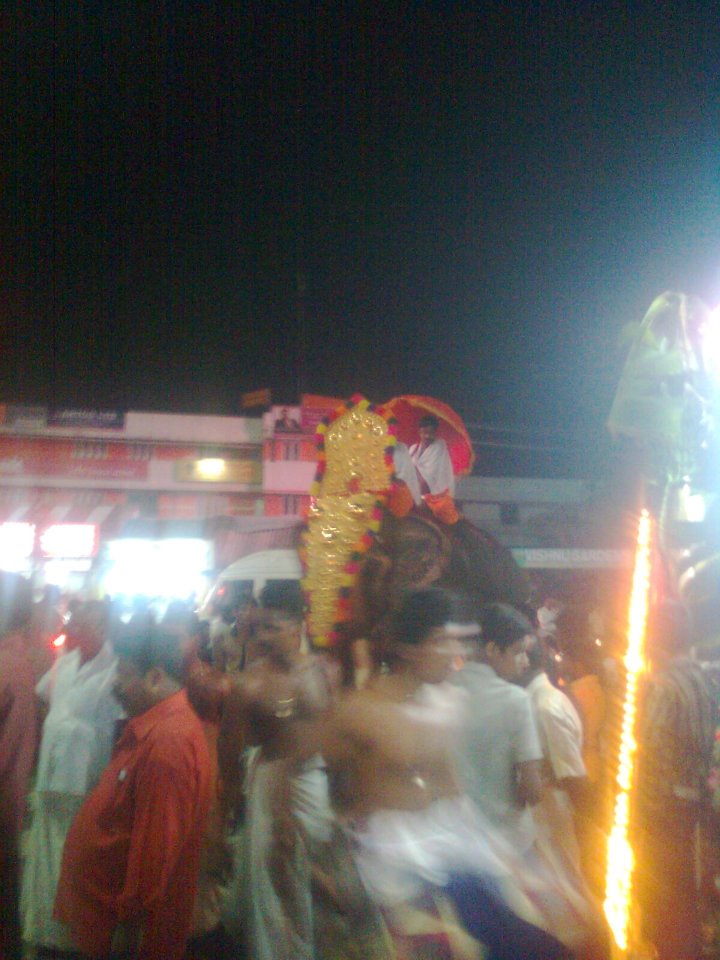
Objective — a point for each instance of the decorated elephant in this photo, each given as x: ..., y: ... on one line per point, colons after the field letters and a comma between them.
x: 419, y: 551
x: 360, y: 555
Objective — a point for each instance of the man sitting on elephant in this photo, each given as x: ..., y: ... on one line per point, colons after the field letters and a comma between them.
x: 432, y: 459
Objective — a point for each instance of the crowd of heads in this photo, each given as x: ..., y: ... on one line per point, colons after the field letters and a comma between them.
x: 456, y: 629
x: 430, y: 635
x: 509, y: 639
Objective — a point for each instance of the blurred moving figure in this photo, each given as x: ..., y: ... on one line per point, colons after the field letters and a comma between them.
x: 230, y: 635
x: 76, y: 743
x: 18, y: 728
x: 47, y: 624
x: 498, y: 749
x: 207, y: 689
x: 130, y: 867
x: 271, y: 766
x: 564, y: 774
x: 396, y: 787
x: 677, y: 724
x: 581, y: 669
x: 563, y: 791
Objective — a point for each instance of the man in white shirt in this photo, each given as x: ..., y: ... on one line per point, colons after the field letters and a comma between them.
x: 564, y: 788
x: 499, y: 754
x: 432, y: 459
x: 76, y: 744
x: 565, y: 777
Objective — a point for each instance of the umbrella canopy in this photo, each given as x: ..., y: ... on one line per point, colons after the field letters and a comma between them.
x: 408, y: 410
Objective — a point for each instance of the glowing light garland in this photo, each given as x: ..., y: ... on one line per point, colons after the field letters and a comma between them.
x: 621, y: 861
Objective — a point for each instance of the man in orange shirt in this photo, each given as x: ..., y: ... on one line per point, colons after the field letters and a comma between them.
x: 132, y: 855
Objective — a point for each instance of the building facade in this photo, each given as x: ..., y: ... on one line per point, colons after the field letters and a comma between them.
x: 73, y: 480
x: 70, y: 480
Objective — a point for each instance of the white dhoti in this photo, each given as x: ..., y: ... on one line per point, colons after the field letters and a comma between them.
x: 52, y: 815
x: 557, y: 856
x: 76, y: 746
x: 277, y: 923
x: 399, y: 852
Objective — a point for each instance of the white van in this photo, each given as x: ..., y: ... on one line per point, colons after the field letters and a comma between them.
x: 247, y: 577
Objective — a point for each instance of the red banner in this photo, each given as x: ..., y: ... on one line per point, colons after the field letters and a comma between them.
x: 82, y: 459
x: 313, y: 408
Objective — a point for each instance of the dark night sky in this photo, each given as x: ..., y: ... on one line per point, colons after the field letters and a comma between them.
x: 479, y: 195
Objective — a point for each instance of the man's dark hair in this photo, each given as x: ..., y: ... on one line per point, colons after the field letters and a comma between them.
x: 537, y: 654
x: 423, y: 610
x: 429, y: 420
x: 284, y: 596
x: 503, y: 625
x: 147, y: 644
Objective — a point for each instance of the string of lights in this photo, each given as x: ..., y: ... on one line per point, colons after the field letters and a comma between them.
x: 621, y: 861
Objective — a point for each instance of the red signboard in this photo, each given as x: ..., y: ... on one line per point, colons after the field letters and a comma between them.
x: 313, y: 408
x: 70, y: 459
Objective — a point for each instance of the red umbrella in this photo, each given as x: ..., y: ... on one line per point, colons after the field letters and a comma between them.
x: 409, y: 410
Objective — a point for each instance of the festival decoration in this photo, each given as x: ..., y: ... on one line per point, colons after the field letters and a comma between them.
x: 667, y: 405
x: 408, y: 411
x: 621, y: 861
x: 353, y: 480
x: 662, y: 352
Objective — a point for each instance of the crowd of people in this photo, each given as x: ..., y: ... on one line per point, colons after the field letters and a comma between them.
x: 170, y: 792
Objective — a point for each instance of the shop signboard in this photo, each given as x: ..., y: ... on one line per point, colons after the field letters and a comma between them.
x: 86, y: 419
x: 560, y: 558
x: 314, y: 408
x: 104, y: 470
x: 219, y: 470
x: 258, y: 398
x: 68, y: 459
x: 23, y: 416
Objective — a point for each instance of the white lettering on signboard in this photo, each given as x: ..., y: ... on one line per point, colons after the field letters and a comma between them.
x: 556, y: 558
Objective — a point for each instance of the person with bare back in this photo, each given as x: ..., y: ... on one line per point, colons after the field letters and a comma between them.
x: 395, y: 787
x: 275, y: 781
